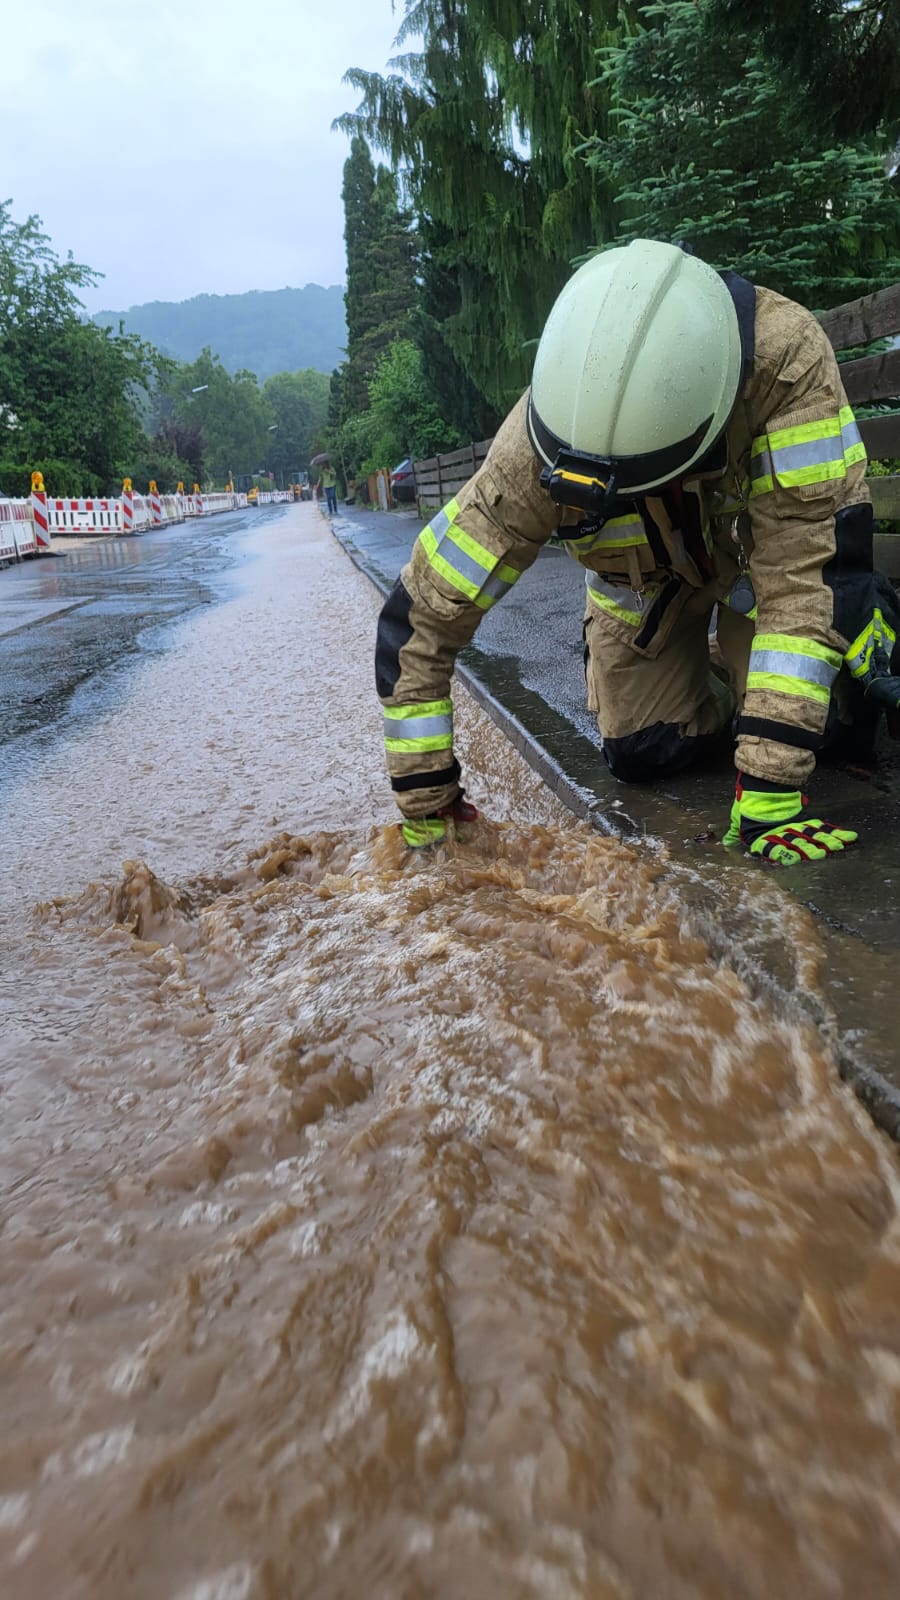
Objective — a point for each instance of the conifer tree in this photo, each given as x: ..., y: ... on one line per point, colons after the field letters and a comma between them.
x: 707, y: 149
x: 838, y: 64
x: 381, y: 255
x: 484, y: 122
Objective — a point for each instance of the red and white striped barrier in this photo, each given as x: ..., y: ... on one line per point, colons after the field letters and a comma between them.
x: 198, y: 501
x: 39, y: 512
x: 84, y: 516
x: 17, y: 532
x: 25, y: 537
x: 9, y: 521
x: 141, y: 507
x: 21, y: 524
x: 223, y: 501
x: 172, y: 508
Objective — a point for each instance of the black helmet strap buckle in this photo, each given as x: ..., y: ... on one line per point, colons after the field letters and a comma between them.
x: 586, y: 483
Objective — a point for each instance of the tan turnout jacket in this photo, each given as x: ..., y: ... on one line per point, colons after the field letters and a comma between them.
x: 794, y: 459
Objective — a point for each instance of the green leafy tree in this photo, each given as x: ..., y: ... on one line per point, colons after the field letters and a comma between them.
x: 230, y: 410
x: 68, y: 389
x: 181, y: 442
x: 705, y: 151
x: 402, y: 419
x: 152, y: 458
x: 72, y: 396
x: 35, y: 286
x: 298, y: 402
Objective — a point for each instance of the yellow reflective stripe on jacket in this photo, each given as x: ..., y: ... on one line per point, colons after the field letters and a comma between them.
x: 426, y: 726
x: 785, y: 664
x: 876, y: 635
x: 606, y: 597
x: 619, y: 533
x: 809, y: 453
x: 471, y: 568
x: 854, y: 449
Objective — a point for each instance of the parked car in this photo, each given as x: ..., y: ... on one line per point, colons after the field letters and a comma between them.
x: 403, y: 481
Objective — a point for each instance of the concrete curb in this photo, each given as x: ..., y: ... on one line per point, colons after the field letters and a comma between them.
x: 877, y: 1093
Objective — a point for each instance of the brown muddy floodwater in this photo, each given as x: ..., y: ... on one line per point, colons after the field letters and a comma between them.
x: 398, y: 1226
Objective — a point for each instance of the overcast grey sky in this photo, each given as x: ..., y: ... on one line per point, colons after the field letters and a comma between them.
x: 185, y: 146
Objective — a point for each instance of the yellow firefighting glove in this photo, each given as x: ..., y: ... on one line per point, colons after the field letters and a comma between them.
x: 772, y: 822
x: 420, y: 833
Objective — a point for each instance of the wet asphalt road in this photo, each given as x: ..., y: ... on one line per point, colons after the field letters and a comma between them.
x: 71, y: 624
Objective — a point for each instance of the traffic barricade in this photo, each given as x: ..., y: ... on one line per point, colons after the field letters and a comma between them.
x: 85, y: 516
x: 25, y: 536
x: 16, y: 530
x: 142, y: 516
x: 39, y: 518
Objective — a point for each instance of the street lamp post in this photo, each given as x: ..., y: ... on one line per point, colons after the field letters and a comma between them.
x: 198, y: 389
x: 273, y: 428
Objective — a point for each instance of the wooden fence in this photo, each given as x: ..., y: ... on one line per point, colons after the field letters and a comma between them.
x: 867, y: 381
x: 440, y: 477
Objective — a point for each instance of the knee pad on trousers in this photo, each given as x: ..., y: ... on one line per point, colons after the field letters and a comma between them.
x: 650, y: 752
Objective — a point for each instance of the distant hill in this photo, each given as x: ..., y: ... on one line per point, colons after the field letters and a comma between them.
x: 266, y: 330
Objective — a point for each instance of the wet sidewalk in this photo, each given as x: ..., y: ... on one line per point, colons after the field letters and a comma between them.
x: 526, y: 670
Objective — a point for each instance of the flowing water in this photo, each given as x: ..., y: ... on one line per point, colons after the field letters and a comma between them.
x: 394, y: 1225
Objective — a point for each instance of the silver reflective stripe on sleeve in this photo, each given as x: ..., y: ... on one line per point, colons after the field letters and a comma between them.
x: 620, y: 533
x: 780, y: 464
x: 410, y: 730
x: 463, y: 562
x: 795, y: 666
x: 444, y: 518
x: 609, y: 597
x: 417, y: 727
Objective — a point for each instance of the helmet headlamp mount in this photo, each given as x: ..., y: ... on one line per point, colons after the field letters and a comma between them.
x: 586, y: 483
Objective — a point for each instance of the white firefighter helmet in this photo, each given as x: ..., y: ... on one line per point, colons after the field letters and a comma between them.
x: 638, y: 367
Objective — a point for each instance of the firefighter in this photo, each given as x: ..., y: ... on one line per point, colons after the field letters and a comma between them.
x: 687, y: 438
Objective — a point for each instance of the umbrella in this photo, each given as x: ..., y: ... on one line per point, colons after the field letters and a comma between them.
x: 323, y: 460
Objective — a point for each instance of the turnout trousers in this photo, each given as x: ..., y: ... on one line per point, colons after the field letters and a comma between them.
x: 659, y: 713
